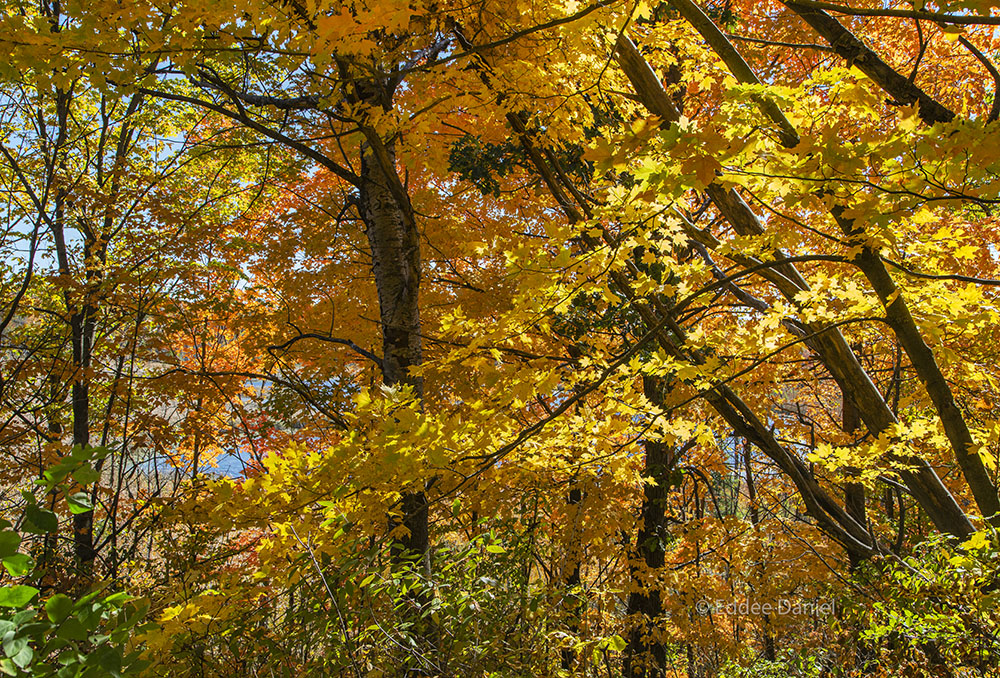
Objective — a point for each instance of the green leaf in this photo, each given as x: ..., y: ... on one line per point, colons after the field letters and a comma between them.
x: 495, y: 548
x: 13, y: 644
x: 81, y: 453
x: 18, y: 650
x: 94, y: 592
x: 86, y: 475
x: 107, y: 658
x: 35, y: 629
x: 24, y: 657
x: 17, y: 596
x: 79, y: 503
x: 116, y: 598
x: 135, y: 612
x: 23, y: 617
x: 72, y: 629
x: 39, y: 520
x: 57, y: 474
x: 58, y: 607
x: 70, y: 656
x: 9, y: 541
x: 18, y: 564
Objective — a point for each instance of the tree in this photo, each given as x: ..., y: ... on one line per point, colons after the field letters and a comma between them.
x: 681, y: 310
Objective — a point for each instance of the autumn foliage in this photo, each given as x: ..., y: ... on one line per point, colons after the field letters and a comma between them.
x: 384, y: 338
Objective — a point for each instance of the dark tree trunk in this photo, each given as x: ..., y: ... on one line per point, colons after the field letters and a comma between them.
x: 854, y: 493
x: 572, y: 577
x: 644, y: 656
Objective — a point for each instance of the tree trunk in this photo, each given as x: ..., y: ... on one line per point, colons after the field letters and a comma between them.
x: 645, y: 657
x: 394, y: 241
x: 395, y: 246
x: 571, y: 578
x: 854, y: 493
x: 770, y: 652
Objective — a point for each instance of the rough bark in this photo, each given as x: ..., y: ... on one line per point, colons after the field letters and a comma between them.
x: 395, y: 246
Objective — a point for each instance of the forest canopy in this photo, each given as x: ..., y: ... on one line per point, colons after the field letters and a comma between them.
x: 511, y: 338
